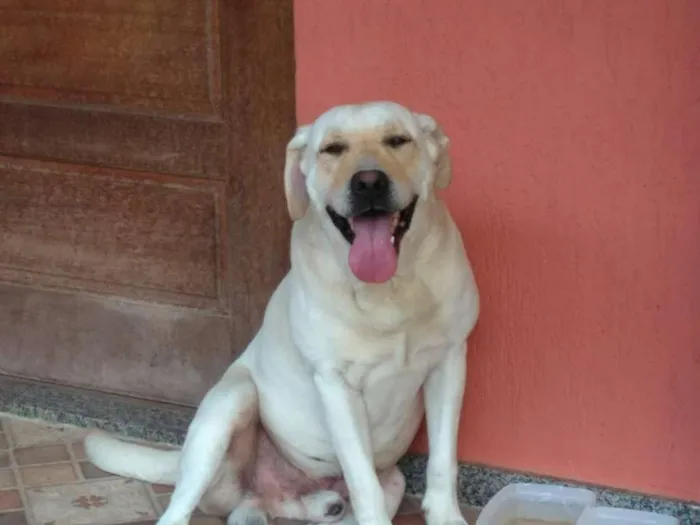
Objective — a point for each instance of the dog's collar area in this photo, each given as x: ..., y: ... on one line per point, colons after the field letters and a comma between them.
x: 401, y: 221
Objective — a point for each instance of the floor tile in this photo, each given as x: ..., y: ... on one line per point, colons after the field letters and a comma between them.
x: 409, y: 505
x: 417, y: 518
x: 39, y: 455
x: 30, y: 433
x: 162, y: 489
x: 409, y: 519
x: 56, y: 496
x: 7, y: 479
x: 470, y: 514
x: 10, y: 500
x: 48, y: 474
x: 78, y: 449
x: 90, y: 471
x: 206, y: 520
x: 13, y: 518
x: 164, y: 500
x: 97, y: 503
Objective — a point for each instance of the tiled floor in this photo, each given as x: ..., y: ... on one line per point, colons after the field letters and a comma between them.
x: 45, y: 480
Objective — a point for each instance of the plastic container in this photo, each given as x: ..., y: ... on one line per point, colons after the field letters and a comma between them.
x: 613, y: 516
x: 536, y: 504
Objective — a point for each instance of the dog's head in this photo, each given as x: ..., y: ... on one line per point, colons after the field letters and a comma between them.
x: 363, y: 169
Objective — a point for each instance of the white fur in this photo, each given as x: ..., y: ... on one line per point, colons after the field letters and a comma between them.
x: 132, y: 460
x: 344, y: 369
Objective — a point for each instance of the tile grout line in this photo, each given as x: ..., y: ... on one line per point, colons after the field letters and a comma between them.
x: 153, y: 497
x: 74, y: 461
x: 14, y: 467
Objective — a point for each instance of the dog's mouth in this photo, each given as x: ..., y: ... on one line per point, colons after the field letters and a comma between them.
x: 375, y: 240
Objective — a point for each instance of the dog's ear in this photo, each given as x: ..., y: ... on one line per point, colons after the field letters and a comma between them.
x: 438, y: 144
x: 294, y: 178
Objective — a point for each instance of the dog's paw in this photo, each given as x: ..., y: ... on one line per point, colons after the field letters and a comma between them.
x: 164, y: 520
x: 441, y: 519
x: 442, y: 510
x: 458, y: 520
x: 324, y: 506
x: 247, y: 515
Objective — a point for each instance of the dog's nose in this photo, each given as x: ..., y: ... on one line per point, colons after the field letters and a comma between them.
x: 335, y: 510
x: 369, y: 183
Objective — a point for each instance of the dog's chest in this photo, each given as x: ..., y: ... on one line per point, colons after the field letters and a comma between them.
x: 396, y: 360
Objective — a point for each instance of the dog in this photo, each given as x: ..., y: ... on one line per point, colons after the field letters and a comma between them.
x: 365, y: 335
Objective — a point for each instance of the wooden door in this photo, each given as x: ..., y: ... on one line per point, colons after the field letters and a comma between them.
x: 142, y: 217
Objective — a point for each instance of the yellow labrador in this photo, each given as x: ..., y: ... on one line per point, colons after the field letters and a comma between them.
x: 366, y: 332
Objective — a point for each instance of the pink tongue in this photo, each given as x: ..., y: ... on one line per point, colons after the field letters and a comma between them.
x: 372, y: 256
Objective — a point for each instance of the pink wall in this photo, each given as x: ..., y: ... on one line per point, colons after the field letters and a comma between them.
x: 576, y: 140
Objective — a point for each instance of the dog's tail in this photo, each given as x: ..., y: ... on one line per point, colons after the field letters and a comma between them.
x: 132, y: 460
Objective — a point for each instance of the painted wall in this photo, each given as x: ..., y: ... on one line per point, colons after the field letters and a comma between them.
x: 575, y: 127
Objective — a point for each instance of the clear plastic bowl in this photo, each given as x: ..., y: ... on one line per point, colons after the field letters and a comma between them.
x: 613, y: 516
x: 538, y: 503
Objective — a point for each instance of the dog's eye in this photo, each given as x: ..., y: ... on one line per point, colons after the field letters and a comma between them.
x: 396, y: 141
x: 334, y: 148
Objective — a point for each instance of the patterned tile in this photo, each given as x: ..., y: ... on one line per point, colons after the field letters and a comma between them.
x: 102, y: 502
x: 13, y: 518
x: 31, y: 433
x: 10, y: 500
x: 90, y: 471
x: 56, y: 494
x: 7, y: 479
x: 39, y: 455
x: 48, y: 474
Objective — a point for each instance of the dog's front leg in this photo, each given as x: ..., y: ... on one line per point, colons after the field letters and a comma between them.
x: 444, y: 391
x: 346, y: 418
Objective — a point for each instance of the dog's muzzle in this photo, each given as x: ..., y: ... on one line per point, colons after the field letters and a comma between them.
x: 375, y: 226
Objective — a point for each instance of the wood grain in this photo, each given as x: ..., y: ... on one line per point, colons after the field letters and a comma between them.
x: 106, y: 343
x: 106, y: 231
x: 85, y: 135
x: 258, y: 72
x: 157, y: 54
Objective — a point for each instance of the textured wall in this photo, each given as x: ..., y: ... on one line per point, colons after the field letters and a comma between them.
x: 576, y: 144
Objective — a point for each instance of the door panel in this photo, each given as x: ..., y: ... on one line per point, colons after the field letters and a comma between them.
x: 142, y: 218
x: 137, y: 235
x: 188, y: 146
x: 155, y: 54
x: 107, y: 343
